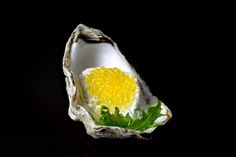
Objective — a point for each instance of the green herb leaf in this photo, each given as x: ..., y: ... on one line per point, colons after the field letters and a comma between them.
x: 141, y: 120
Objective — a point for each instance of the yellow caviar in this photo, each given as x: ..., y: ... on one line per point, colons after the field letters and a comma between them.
x: 111, y: 87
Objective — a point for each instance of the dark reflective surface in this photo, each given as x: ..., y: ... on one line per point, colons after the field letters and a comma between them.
x: 35, y: 121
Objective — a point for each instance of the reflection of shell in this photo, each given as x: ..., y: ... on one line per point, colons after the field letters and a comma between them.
x: 88, y: 48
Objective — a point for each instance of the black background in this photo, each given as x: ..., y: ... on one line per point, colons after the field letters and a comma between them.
x: 163, y: 45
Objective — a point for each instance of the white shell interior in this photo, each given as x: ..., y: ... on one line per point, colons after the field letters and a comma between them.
x: 85, y: 56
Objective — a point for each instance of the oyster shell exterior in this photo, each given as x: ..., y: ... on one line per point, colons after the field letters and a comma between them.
x: 86, y: 48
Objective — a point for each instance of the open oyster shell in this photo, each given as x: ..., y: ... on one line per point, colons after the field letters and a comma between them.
x: 86, y: 48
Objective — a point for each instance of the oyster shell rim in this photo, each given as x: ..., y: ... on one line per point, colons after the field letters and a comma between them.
x: 76, y: 110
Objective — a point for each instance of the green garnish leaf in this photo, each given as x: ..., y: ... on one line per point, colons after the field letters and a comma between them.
x: 141, y: 120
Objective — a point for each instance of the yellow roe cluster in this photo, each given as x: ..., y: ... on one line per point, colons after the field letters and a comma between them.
x: 110, y: 87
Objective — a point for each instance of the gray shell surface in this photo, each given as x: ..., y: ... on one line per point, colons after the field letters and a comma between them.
x: 103, y: 51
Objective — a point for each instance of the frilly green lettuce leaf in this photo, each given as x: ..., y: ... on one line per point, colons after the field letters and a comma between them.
x: 141, y: 120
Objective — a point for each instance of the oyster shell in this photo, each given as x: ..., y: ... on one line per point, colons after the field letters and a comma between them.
x: 86, y: 48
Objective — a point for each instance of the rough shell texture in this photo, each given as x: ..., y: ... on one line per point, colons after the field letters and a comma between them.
x: 77, y: 107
